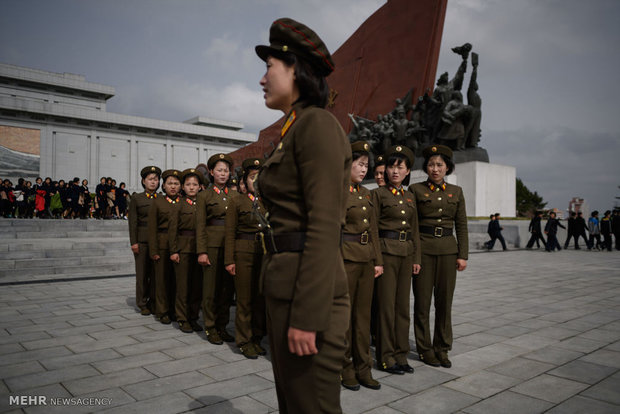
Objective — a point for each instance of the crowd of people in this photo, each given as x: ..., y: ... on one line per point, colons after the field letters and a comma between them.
x: 69, y: 199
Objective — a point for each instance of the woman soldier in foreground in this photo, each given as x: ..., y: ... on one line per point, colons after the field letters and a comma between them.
x: 400, y: 245
x: 243, y: 257
x: 303, y: 185
x: 139, y: 207
x: 363, y: 263
x: 182, y: 239
x: 441, y: 208
x: 159, y: 218
x: 217, y: 285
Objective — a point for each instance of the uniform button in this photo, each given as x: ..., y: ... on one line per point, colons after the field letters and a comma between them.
x: 365, y: 220
x: 360, y: 197
x: 364, y: 208
x: 260, y: 225
x: 403, y: 222
x: 400, y: 201
x: 224, y: 198
x: 402, y: 211
x: 440, y: 210
x: 226, y: 208
x: 439, y: 220
x: 439, y: 198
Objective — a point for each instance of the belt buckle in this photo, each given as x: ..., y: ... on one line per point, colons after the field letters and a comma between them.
x: 364, y: 238
x: 402, y: 236
x: 438, y: 232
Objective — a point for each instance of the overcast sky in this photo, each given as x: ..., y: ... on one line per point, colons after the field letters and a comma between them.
x: 548, y: 71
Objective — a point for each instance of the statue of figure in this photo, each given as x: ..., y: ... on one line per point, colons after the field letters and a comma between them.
x: 472, y: 129
x: 455, y: 116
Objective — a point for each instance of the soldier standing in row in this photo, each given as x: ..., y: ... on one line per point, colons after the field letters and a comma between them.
x: 243, y: 259
x: 363, y: 263
x: 159, y: 218
x: 441, y: 211
x: 400, y: 244
x: 182, y: 239
x: 217, y: 286
x: 139, y: 207
x: 303, y: 185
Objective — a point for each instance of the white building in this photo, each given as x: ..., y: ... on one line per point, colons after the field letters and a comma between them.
x: 56, y: 125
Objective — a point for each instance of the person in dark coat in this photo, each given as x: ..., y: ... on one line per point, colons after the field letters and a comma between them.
x: 615, y: 227
x: 536, y: 231
x: 580, y: 230
x: 571, y: 230
x: 495, y: 231
x: 606, y: 230
x: 551, y: 230
x: 101, y: 192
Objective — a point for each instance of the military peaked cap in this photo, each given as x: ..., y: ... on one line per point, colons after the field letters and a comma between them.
x: 436, y: 150
x: 360, y: 146
x: 150, y: 170
x: 402, y: 150
x: 380, y: 160
x: 288, y: 35
x: 251, y: 163
x: 192, y: 172
x: 219, y: 157
x: 171, y: 173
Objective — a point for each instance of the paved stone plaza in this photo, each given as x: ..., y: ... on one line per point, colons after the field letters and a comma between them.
x: 534, y: 332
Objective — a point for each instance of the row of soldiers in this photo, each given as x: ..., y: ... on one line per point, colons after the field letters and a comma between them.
x: 188, y: 240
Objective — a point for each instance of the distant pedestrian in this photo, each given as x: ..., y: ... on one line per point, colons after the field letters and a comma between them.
x: 615, y: 227
x: 536, y: 231
x: 551, y: 230
x: 495, y: 231
x: 580, y: 230
x: 595, y: 231
x: 606, y: 230
x: 571, y: 229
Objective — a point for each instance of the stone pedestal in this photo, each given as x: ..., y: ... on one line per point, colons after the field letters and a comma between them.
x: 489, y: 188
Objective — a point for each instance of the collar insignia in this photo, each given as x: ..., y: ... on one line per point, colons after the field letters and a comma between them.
x: 291, y: 119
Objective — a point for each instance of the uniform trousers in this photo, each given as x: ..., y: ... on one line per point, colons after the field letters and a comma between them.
x: 217, y: 290
x: 189, y: 287
x: 552, y: 242
x: 250, y: 313
x: 534, y: 239
x: 437, y: 279
x: 308, y: 384
x: 393, y: 289
x: 164, y: 284
x: 145, y: 278
x: 361, y: 283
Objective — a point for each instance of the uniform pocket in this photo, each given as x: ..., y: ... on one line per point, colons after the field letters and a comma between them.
x: 280, y: 275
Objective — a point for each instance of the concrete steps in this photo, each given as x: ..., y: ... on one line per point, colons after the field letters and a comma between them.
x: 35, y: 249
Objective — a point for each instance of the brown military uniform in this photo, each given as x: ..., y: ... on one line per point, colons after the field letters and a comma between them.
x: 182, y: 239
x: 400, y: 244
x: 305, y: 284
x: 139, y: 206
x: 217, y: 284
x: 440, y: 210
x: 361, y: 253
x: 243, y: 248
x: 161, y: 210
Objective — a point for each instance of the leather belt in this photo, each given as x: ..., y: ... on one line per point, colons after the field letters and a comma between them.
x: 401, y: 236
x: 188, y: 233
x: 215, y: 222
x: 285, y: 242
x: 436, y: 231
x: 362, y: 238
x: 248, y: 236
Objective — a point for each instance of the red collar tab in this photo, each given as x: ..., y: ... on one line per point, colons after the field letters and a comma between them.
x: 434, y: 187
x: 173, y: 201
x: 217, y: 190
x: 397, y: 191
x: 151, y: 195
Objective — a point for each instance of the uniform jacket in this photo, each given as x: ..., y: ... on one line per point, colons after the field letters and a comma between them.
x: 240, y: 218
x: 571, y: 224
x: 304, y: 187
x: 443, y: 208
x: 552, y: 226
x: 138, y: 217
x: 360, y: 218
x: 605, y: 225
x: 580, y: 225
x: 158, y: 222
x: 535, y: 225
x: 494, y: 228
x: 211, y: 205
x: 397, y: 212
x: 182, y: 223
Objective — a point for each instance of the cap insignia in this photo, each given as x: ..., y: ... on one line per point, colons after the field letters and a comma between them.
x: 399, y: 148
x: 366, y: 147
x: 152, y: 168
x: 285, y: 48
x: 434, y: 149
x: 221, y: 156
x: 256, y: 162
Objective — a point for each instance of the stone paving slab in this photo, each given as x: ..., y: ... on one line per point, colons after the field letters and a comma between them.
x: 534, y: 332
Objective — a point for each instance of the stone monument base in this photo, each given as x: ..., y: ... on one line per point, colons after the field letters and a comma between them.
x: 489, y: 188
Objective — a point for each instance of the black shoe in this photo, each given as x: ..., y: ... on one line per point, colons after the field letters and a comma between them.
x: 443, y: 359
x: 248, y: 350
x: 429, y: 358
x: 185, y: 327
x: 350, y: 384
x: 394, y: 369
x: 165, y: 320
x: 257, y: 346
x: 213, y: 336
x: 369, y: 382
x: 406, y: 368
x: 195, y: 326
x: 226, y: 337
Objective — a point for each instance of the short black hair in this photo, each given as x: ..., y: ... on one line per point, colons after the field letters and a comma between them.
x: 313, y: 89
x: 445, y: 159
x: 397, y: 159
x: 358, y: 154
